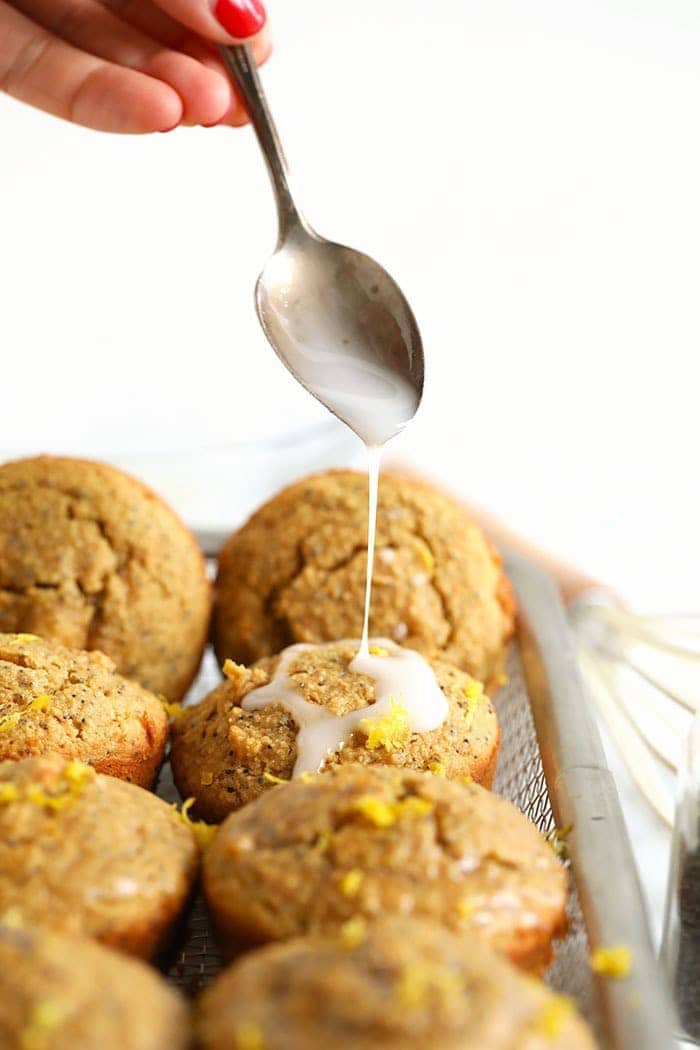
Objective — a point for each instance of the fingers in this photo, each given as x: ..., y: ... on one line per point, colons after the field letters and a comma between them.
x: 223, y: 21
x: 51, y: 74
x: 206, y: 93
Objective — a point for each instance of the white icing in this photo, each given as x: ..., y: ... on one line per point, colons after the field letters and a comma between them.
x: 403, y: 676
x: 373, y: 458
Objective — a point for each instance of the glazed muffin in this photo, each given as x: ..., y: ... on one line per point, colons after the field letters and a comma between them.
x: 74, y: 704
x: 87, y: 854
x: 373, y: 840
x: 296, y: 573
x: 58, y: 992
x: 401, y: 983
x: 224, y: 756
x: 91, y: 559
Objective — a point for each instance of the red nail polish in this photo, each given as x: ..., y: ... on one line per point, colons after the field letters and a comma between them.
x: 240, y: 18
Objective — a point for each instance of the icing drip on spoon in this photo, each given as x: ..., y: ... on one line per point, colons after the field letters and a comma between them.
x: 400, y: 675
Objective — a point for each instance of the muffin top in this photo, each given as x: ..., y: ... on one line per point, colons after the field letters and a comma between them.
x: 73, y: 703
x: 90, y: 558
x: 373, y: 840
x: 401, y: 983
x: 58, y: 992
x: 224, y: 754
x: 88, y: 854
x: 296, y: 573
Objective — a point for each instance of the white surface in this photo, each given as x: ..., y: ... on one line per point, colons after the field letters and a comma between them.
x: 528, y: 172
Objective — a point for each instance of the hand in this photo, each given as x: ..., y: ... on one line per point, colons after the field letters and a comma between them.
x: 127, y: 65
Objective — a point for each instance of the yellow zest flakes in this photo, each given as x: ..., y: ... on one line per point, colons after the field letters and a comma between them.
x: 74, y: 777
x: 474, y: 690
x: 466, y: 779
x: 554, y: 1015
x: 615, y: 961
x: 557, y: 839
x: 353, y: 932
x: 248, y: 1036
x: 351, y: 882
x: 39, y: 703
x: 466, y: 908
x: 390, y: 731
x: 26, y: 638
x: 418, y: 982
x: 426, y: 555
x: 12, y: 919
x: 44, y: 1019
x: 377, y: 650
x: 273, y: 779
x: 173, y: 709
x: 202, y: 831
x: 8, y: 722
x: 437, y: 767
x: 383, y: 814
x: 8, y: 792
x: 502, y: 678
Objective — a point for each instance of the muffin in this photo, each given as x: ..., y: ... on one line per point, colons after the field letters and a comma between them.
x: 401, y: 984
x: 374, y: 840
x: 58, y: 992
x: 83, y: 853
x: 225, y: 756
x: 91, y: 559
x: 72, y: 703
x: 296, y: 573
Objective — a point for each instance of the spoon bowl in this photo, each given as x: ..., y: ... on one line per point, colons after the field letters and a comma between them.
x: 333, y: 315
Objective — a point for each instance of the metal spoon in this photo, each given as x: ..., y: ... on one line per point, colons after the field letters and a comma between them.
x: 335, y: 317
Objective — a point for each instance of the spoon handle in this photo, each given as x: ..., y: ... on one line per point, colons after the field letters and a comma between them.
x: 240, y: 63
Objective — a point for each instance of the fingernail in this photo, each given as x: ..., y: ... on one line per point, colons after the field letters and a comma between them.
x: 240, y: 18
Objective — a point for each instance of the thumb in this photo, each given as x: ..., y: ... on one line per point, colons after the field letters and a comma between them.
x: 222, y: 21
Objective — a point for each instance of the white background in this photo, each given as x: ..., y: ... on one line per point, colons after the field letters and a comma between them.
x: 529, y: 172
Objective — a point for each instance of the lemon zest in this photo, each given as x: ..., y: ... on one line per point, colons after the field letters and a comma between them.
x: 466, y: 908
x: 173, y: 709
x: 39, y: 703
x: 353, y: 932
x: 554, y: 1015
x: 557, y: 840
x: 613, y: 961
x: 8, y: 792
x: 426, y: 555
x: 437, y: 767
x: 466, y: 779
x: 390, y: 731
x: 203, y: 832
x: 378, y: 650
x: 45, y: 1017
x: 273, y: 779
x: 420, y: 980
x: 8, y: 722
x: 26, y: 638
x: 502, y: 678
x: 351, y: 882
x: 248, y: 1036
x: 383, y: 814
x: 474, y: 690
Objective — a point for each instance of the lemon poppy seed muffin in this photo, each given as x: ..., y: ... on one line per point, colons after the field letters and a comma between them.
x: 373, y: 840
x: 295, y: 572
x: 225, y: 756
x: 92, y: 559
x: 84, y: 853
x: 73, y: 703
x: 59, y: 992
x: 400, y: 984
